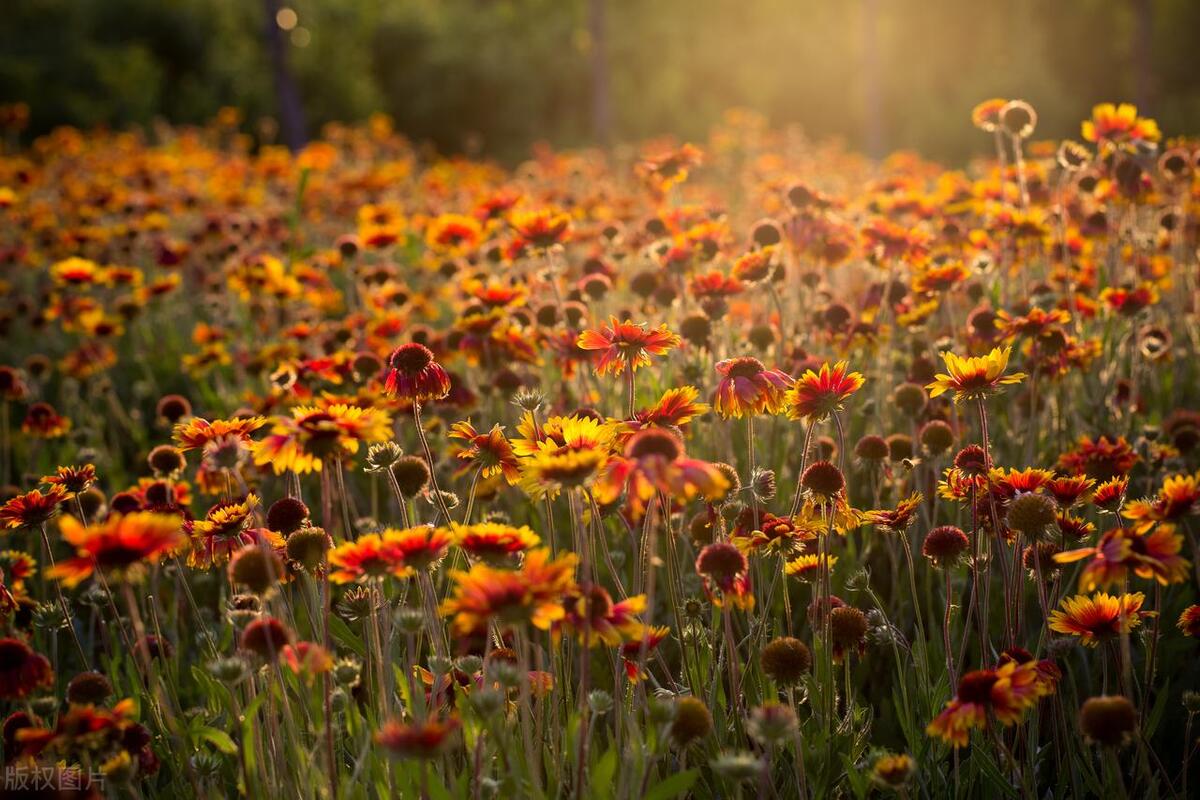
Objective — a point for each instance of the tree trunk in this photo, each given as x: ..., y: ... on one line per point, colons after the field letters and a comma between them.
x: 287, y: 93
x: 601, y: 95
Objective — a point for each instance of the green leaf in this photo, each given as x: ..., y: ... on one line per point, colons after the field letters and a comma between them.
x: 218, y: 739
x: 673, y: 786
x: 601, y: 781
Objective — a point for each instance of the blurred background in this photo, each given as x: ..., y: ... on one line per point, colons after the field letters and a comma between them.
x: 495, y: 76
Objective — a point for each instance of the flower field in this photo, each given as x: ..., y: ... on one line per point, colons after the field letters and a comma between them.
x: 749, y: 467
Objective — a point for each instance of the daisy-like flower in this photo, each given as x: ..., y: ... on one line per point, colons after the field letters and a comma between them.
x: 563, y: 453
x: 655, y: 461
x: 22, y: 671
x: 1117, y: 126
x: 304, y: 441
x: 1189, y: 621
x: 1097, y: 618
x: 1101, y: 458
x: 747, y: 388
x: 494, y: 541
x: 225, y: 529
x: 197, y: 432
x: 1006, y: 692
x: 371, y: 556
x: 541, y: 228
x: 532, y: 595
x: 1178, y: 497
x: 419, y: 547
x: 1110, y: 495
x: 899, y: 519
x: 815, y: 395
x: 974, y: 377
x: 647, y: 640
x: 43, y: 422
x: 490, y: 452
x: 74, y: 479
x: 1067, y: 490
x: 784, y: 536
x: 808, y: 567
x: 986, y: 115
x: 33, y: 508
x: 419, y: 740
x: 121, y: 547
x: 453, y: 233
x: 1155, y: 554
x: 414, y: 375
x: 597, y: 620
x: 675, y: 409
x: 626, y: 345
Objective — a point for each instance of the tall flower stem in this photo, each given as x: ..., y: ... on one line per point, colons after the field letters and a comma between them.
x: 437, y: 491
x: 946, y: 631
x: 803, y: 465
x: 62, y: 602
x: 632, y: 406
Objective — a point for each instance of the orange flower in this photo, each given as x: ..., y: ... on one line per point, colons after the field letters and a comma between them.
x: 311, y: 435
x: 306, y: 659
x: 748, y: 388
x: 1114, y: 126
x: 1189, y: 621
x: 542, y: 228
x: 986, y: 115
x: 1099, y: 617
x: 494, y: 541
x: 197, y: 432
x: 898, y: 520
x: 33, y: 508
x: 490, y: 451
x: 371, y: 556
x: 626, y: 345
x: 121, y: 547
x: 1069, y: 489
x: 226, y: 529
x: 420, y: 740
x: 43, y: 422
x: 647, y: 638
x: 597, y: 620
x: 816, y: 395
x: 74, y: 479
x: 654, y: 461
x: 675, y: 409
x: 1149, y: 555
x: 530, y: 595
x: 414, y: 375
x: 1179, y: 497
x: 453, y: 233
x: 420, y: 547
x: 974, y: 377
x: 22, y: 671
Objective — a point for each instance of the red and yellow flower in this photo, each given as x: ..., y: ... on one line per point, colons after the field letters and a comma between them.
x: 815, y: 395
x: 974, y: 377
x: 1097, y: 618
x: 121, y: 547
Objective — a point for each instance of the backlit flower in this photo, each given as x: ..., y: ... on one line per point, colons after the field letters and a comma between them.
x: 121, y: 547
x: 747, y: 388
x: 414, y: 375
x: 33, y: 508
x: 494, y: 541
x: 419, y: 740
x: 1097, y: 618
x: 490, y: 452
x: 312, y: 435
x: 974, y: 377
x: 1155, y: 554
x: 626, y: 345
x: 531, y: 595
x: 816, y: 395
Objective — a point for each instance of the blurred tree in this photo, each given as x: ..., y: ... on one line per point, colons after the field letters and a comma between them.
x: 500, y: 74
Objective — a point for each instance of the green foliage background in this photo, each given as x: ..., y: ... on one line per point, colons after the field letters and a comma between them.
x: 509, y: 72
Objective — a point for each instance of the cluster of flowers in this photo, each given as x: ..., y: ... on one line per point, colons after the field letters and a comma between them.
x: 653, y: 352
